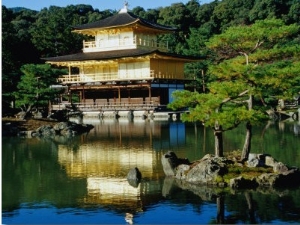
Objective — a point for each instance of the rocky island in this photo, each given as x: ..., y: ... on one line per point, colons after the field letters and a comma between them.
x: 42, y: 128
x: 261, y: 170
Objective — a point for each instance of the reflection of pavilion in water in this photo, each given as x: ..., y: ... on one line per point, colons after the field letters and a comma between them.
x: 105, y: 156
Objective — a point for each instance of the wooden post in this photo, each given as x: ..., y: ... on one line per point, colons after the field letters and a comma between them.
x: 150, y: 94
x: 83, y: 93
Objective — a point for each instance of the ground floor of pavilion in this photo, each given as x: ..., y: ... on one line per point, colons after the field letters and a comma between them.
x: 142, y: 95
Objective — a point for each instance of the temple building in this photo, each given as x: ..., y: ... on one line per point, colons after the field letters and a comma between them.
x: 123, y: 64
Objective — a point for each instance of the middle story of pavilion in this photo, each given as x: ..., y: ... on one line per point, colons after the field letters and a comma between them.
x: 122, y: 63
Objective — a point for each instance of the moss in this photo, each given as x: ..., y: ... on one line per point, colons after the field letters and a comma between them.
x: 219, y: 179
x: 233, y: 155
x: 246, y: 172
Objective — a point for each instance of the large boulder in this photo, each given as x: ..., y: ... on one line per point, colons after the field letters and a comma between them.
x: 204, y: 171
x: 170, y: 161
x: 256, y: 160
x: 207, y: 170
x: 182, y: 171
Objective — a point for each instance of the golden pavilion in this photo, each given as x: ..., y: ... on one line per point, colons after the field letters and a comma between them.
x: 122, y: 65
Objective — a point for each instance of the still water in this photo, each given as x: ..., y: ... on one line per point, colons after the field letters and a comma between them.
x: 82, y: 180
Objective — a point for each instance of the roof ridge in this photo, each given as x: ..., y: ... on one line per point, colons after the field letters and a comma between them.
x: 122, y: 19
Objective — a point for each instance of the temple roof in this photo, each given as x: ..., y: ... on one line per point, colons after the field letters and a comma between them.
x: 108, y: 55
x: 122, y: 19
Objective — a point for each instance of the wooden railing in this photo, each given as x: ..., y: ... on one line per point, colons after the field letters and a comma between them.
x: 106, y: 107
x: 103, y: 77
x: 111, y: 104
x: 128, y: 43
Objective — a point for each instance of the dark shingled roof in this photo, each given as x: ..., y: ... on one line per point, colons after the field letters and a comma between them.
x: 122, y: 19
x: 115, y: 55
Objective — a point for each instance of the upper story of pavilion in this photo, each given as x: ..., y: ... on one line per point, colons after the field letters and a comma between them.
x: 124, y: 47
x: 123, y: 31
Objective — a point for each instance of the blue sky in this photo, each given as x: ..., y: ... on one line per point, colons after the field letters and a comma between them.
x: 97, y: 4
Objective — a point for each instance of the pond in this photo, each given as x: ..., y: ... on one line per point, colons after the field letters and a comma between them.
x: 82, y: 180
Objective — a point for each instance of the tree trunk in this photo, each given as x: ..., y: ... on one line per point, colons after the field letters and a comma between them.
x: 220, y: 210
x: 250, y: 208
x: 26, y: 113
x: 218, y: 142
x: 248, y: 138
x: 247, y: 144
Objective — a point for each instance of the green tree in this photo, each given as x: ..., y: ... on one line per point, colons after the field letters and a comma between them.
x: 267, y: 9
x: 216, y: 109
x: 261, y: 66
x: 51, y: 32
x: 34, y: 89
x: 177, y: 15
x: 196, y: 47
x: 294, y: 13
x: 9, y: 76
x: 23, y: 46
x: 231, y: 12
x: 139, y: 11
x: 253, y: 61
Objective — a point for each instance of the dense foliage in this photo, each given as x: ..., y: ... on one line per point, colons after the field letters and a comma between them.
x: 253, y: 63
x: 28, y: 36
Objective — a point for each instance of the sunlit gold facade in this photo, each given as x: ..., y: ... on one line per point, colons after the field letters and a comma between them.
x: 123, y: 52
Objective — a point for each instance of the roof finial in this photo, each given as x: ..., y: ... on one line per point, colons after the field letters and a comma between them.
x: 125, y: 8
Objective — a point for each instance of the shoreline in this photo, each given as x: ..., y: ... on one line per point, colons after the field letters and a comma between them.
x: 27, y: 125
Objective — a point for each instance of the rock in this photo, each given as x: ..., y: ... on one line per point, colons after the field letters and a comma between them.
x: 60, y: 126
x: 27, y: 134
x: 68, y: 132
x: 256, y: 160
x: 181, y: 171
x: 21, y: 115
x: 267, y: 179
x: 170, y: 162
x: 67, y: 129
x: 134, y: 177
x: 242, y: 183
x: 270, y: 161
x: 279, y: 167
x: 38, y: 115
x: 289, y: 178
x: 45, y: 131
x: 206, y: 171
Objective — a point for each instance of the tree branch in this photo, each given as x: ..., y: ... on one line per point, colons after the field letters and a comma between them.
x: 258, y: 44
x: 232, y: 98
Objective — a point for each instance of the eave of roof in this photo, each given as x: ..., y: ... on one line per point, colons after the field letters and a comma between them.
x: 121, y: 20
x: 110, y: 55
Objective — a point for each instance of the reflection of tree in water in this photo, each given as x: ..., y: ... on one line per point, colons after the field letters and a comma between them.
x: 248, y: 206
x: 263, y: 206
x: 72, y: 143
x: 221, y: 219
x: 220, y: 209
x: 36, y: 175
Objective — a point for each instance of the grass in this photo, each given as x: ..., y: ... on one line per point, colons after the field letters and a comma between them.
x: 239, y: 169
